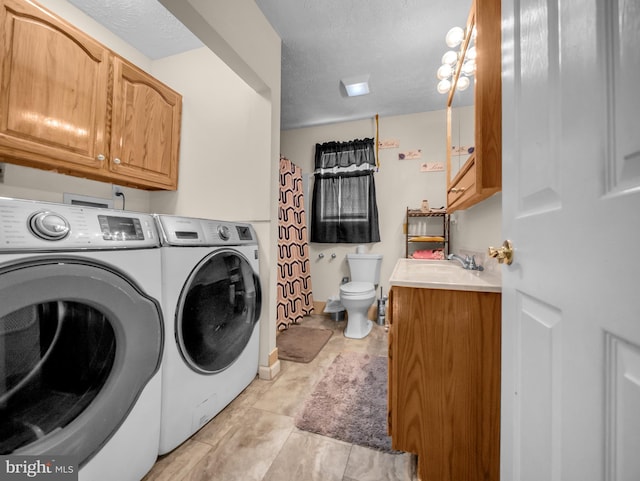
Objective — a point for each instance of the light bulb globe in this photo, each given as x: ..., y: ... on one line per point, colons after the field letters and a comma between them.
x: 450, y: 58
x: 444, y: 71
x: 471, y: 53
x: 469, y: 67
x: 454, y: 37
x: 463, y: 83
x: 444, y: 86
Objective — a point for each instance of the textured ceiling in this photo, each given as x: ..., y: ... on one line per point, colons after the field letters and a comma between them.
x: 145, y: 24
x: 397, y: 43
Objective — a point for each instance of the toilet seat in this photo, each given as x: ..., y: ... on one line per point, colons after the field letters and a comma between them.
x: 357, y: 290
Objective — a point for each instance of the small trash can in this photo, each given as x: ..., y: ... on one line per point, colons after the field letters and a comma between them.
x: 334, y: 308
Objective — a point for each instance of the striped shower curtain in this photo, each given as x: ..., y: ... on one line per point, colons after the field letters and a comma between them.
x: 294, y: 277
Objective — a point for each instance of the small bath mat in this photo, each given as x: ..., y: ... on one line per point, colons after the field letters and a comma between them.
x: 350, y: 402
x: 301, y: 344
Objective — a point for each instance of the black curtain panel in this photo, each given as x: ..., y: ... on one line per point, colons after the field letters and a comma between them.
x: 344, y: 208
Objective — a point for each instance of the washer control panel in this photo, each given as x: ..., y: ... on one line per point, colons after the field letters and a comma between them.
x: 31, y: 225
x: 190, y: 231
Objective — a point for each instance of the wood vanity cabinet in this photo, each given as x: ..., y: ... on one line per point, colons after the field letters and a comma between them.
x: 444, y: 381
x: 481, y: 175
x: 69, y: 104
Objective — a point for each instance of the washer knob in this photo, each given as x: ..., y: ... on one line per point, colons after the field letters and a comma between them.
x: 223, y: 232
x: 48, y: 225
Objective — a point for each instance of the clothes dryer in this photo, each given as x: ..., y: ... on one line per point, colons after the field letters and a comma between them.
x: 81, y: 337
x: 211, y: 299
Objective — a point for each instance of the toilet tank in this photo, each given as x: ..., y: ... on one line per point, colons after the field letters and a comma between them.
x: 365, y: 267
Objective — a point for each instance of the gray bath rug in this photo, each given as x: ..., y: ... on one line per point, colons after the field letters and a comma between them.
x: 301, y: 344
x: 350, y: 402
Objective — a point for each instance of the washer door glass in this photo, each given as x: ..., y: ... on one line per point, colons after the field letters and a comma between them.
x: 217, y: 311
x: 56, y: 358
x: 78, y: 344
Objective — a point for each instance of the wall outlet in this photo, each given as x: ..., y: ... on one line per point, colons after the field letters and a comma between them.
x: 115, y: 190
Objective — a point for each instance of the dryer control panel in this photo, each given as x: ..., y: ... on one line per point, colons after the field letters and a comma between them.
x: 31, y: 225
x: 190, y: 231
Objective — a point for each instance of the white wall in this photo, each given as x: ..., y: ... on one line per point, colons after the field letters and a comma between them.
x: 475, y: 229
x: 225, y: 141
x: 399, y: 184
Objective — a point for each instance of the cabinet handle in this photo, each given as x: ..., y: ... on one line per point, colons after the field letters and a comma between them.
x: 116, y: 160
x: 101, y: 157
x: 456, y: 190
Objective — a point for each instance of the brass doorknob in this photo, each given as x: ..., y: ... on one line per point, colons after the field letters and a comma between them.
x: 504, y: 254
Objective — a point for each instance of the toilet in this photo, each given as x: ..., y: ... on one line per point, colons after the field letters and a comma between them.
x: 358, y: 295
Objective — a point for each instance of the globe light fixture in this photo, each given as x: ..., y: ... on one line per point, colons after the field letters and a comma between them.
x: 452, y: 62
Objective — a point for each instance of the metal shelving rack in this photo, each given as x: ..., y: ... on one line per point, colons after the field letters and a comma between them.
x: 436, y: 225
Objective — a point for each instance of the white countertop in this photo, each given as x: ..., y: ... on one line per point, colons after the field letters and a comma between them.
x: 450, y: 275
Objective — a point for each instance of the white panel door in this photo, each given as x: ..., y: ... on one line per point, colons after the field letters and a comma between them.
x: 571, y: 207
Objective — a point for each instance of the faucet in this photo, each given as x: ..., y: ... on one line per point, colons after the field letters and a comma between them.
x: 468, y: 262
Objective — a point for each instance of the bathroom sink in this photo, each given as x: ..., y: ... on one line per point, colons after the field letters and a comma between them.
x: 443, y: 275
x: 435, y: 267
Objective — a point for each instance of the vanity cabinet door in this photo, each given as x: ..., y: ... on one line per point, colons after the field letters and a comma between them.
x: 54, y: 89
x: 145, y: 137
x: 445, y: 380
x: 391, y: 381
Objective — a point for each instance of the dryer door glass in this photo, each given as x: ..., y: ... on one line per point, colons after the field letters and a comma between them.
x: 217, y: 311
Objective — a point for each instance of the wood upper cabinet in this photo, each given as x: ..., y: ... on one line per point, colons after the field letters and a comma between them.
x: 444, y: 381
x: 146, y: 127
x: 69, y: 104
x: 53, y: 98
x: 480, y: 176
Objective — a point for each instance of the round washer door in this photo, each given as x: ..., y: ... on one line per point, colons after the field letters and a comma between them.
x: 217, y: 311
x: 78, y: 344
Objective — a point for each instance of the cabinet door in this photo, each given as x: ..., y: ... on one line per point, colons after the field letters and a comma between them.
x: 53, y: 92
x: 145, y: 137
x: 446, y: 381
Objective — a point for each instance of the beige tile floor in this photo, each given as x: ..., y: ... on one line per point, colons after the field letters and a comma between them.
x: 255, y: 439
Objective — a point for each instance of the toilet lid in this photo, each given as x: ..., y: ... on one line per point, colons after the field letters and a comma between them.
x: 353, y: 288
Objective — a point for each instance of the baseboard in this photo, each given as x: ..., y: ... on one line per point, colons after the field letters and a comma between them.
x: 273, y: 357
x: 318, y: 308
x: 268, y: 373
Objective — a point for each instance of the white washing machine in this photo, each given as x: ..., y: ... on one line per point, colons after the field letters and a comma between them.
x: 211, y: 299
x: 81, y: 337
